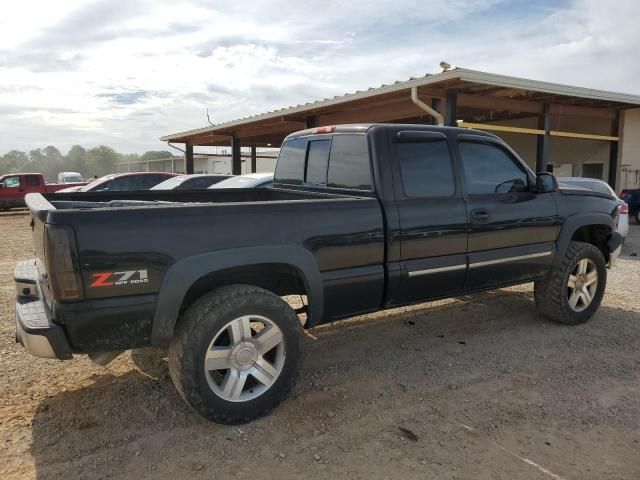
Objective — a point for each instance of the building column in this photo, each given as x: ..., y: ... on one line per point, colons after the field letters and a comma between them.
x: 451, y: 109
x: 236, y: 156
x: 254, y: 159
x: 436, y: 105
x: 310, y: 122
x: 188, y: 158
x: 542, y: 151
x: 613, y: 152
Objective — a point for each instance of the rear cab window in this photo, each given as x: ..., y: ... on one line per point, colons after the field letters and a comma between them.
x: 425, y: 165
x: 340, y: 161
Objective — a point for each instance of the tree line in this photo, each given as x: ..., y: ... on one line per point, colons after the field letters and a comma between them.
x: 50, y: 161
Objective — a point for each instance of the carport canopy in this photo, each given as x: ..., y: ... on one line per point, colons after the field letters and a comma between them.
x: 463, y: 97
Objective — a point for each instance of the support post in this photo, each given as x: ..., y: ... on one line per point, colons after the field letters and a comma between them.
x: 188, y: 158
x: 613, y: 152
x: 435, y: 104
x: 236, y: 158
x: 451, y: 109
x: 542, y: 150
x: 254, y: 159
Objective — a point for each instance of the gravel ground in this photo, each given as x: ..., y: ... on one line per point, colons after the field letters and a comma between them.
x: 474, y: 387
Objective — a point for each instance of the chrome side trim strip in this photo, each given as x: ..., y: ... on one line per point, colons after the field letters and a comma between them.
x: 510, y: 259
x: 428, y: 271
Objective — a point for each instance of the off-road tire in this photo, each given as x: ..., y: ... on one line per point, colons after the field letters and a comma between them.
x: 197, y: 327
x: 551, y: 293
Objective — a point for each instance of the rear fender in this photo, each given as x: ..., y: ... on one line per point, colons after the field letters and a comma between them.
x: 185, y: 273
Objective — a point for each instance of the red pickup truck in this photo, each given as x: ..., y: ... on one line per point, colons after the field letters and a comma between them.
x: 14, y: 186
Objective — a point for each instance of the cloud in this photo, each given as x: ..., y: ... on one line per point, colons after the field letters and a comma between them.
x: 127, y: 72
x: 126, y: 98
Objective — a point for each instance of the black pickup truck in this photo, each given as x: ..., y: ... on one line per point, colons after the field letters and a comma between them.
x: 360, y: 218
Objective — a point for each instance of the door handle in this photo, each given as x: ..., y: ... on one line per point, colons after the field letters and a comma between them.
x: 479, y: 216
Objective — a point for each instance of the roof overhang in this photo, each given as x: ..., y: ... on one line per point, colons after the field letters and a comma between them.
x: 475, y: 90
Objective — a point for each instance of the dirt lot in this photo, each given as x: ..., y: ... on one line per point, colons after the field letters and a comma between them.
x: 474, y: 387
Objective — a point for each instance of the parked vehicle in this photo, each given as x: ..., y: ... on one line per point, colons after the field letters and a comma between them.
x: 123, y: 182
x: 14, y: 187
x: 359, y: 218
x: 70, y: 177
x: 632, y: 198
x: 190, y: 182
x: 250, y: 180
x: 622, y: 227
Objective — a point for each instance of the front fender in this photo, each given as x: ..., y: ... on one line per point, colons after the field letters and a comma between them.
x: 572, y: 224
x: 184, y: 273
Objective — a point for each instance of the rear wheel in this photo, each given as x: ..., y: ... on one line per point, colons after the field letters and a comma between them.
x: 574, y: 290
x: 236, y: 353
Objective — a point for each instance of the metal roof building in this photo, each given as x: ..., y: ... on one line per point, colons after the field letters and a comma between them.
x: 572, y: 130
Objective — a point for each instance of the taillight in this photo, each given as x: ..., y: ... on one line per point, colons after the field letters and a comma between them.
x: 62, y: 263
x: 623, y: 209
x: 623, y: 195
x: 319, y: 130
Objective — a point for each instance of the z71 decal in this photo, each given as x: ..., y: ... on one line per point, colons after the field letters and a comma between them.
x: 120, y: 279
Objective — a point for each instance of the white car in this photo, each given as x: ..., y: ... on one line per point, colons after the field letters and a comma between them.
x: 250, y: 180
x: 602, y: 187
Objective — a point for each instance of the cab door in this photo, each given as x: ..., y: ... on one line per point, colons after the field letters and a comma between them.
x: 433, y: 216
x: 11, y: 191
x: 512, y: 229
x: 33, y: 184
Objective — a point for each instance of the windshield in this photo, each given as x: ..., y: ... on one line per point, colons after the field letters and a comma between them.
x: 72, y: 178
x: 242, y: 181
x: 170, y: 184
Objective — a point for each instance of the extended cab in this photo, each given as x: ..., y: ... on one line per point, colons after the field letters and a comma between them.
x: 14, y: 187
x: 359, y: 218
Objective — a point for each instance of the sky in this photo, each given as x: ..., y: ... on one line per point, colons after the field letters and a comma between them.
x: 124, y: 73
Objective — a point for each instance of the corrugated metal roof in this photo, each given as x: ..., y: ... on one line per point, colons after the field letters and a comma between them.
x: 462, y: 74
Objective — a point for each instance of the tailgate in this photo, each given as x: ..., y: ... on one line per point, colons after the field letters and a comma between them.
x: 39, y: 208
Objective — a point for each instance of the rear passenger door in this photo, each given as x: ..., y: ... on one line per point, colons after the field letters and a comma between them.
x: 512, y: 228
x: 433, y: 216
x: 32, y: 184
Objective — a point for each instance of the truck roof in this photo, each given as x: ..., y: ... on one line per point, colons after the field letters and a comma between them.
x: 364, y: 127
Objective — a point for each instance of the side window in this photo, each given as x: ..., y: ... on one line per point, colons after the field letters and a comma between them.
x: 145, y: 182
x: 32, y: 180
x: 290, y: 166
x: 490, y: 169
x: 426, y: 169
x: 317, y: 161
x: 349, y: 163
x: 11, y: 182
x: 121, y: 184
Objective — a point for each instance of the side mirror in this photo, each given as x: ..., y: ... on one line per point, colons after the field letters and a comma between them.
x: 546, y: 183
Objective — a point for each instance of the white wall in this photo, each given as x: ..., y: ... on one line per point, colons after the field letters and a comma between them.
x: 630, y: 150
x: 567, y: 154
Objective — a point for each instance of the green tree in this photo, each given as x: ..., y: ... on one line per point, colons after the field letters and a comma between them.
x: 13, y: 162
x: 155, y: 155
x: 102, y: 160
x: 76, y: 161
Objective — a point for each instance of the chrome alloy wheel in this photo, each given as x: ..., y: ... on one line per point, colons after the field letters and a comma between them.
x: 582, y: 285
x: 245, y: 358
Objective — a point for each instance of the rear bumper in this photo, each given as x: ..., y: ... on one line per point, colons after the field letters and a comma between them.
x: 34, y: 327
x: 614, y: 244
x: 90, y: 326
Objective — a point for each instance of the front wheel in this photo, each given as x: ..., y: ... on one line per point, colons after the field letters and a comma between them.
x: 236, y: 353
x: 573, y: 291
